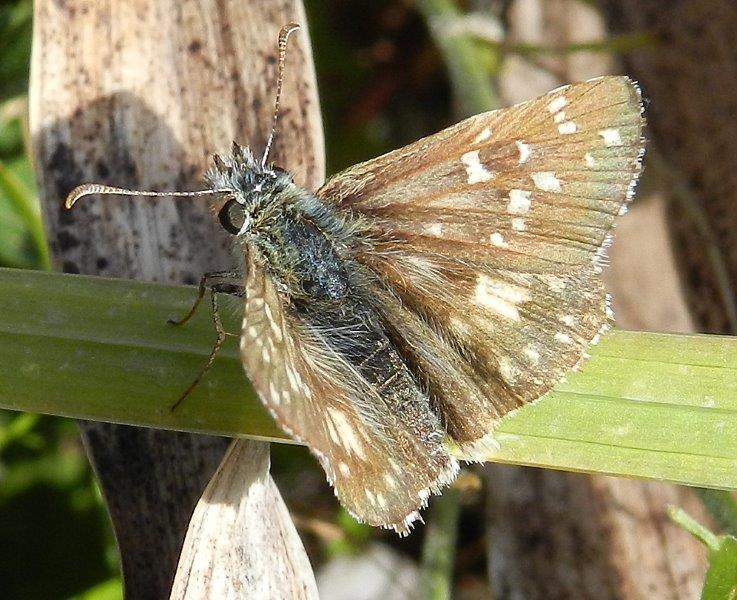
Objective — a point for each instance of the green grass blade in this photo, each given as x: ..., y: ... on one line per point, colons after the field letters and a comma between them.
x: 646, y: 405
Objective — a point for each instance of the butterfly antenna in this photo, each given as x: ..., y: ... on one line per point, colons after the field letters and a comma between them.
x: 284, y: 34
x: 97, y: 188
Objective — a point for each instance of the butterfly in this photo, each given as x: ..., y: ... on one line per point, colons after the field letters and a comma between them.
x: 395, y: 315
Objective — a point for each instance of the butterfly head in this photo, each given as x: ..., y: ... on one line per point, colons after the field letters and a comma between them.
x: 252, y: 187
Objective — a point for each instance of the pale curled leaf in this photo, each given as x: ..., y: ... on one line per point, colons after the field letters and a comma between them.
x: 242, y: 527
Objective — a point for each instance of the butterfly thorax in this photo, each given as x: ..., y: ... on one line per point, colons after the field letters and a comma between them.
x: 295, y: 235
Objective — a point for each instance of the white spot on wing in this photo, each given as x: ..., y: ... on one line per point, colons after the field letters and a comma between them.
x: 519, y: 202
x: 267, y: 311
x: 567, y: 127
x: 524, y: 152
x: 435, y: 229
x: 569, y: 320
x: 589, y: 160
x: 346, y: 433
x: 532, y: 354
x: 497, y: 239
x: 276, y: 330
x: 557, y: 103
x: 611, y: 136
x: 546, y: 181
x: 476, y: 172
x: 460, y: 326
x: 344, y: 469
x: 507, y: 370
x: 484, y: 135
x: 555, y: 283
x: 563, y: 338
x: 559, y: 117
x: 293, y: 381
x: 332, y: 431
x: 518, y: 224
x: 500, y: 297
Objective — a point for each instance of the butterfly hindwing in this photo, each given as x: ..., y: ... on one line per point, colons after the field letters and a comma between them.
x: 486, y: 340
x: 380, y: 444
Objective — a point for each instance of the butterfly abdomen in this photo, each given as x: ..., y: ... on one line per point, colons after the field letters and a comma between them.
x: 353, y: 331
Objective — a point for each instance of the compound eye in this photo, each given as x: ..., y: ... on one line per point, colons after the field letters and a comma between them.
x: 280, y: 171
x: 231, y: 217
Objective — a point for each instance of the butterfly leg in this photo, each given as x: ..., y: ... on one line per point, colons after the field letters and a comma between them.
x: 207, y: 282
x: 215, y: 288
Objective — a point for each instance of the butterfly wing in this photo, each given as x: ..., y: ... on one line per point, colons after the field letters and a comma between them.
x: 381, y: 446
x: 489, y: 236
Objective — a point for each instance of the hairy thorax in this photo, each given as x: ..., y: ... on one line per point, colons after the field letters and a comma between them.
x: 302, y: 260
x: 303, y: 244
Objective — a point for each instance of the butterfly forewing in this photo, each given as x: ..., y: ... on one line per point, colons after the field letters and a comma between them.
x: 535, y: 186
x: 489, y: 236
x: 383, y: 463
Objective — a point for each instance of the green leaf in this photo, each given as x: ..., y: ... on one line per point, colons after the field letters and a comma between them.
x: 721, y: 578
x: 15, y: 47
x: 646, y: 405
x: 112, y: 589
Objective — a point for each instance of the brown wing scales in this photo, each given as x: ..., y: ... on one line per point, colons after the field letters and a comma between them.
x: 488, y: 238
x: 477, y: 270
x: 369, y: 425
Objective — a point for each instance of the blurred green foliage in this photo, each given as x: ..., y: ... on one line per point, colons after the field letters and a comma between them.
x: 56, y: 541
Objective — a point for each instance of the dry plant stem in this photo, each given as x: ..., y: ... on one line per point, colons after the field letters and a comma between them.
x: 439, y: 546
x: 141, y: 100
